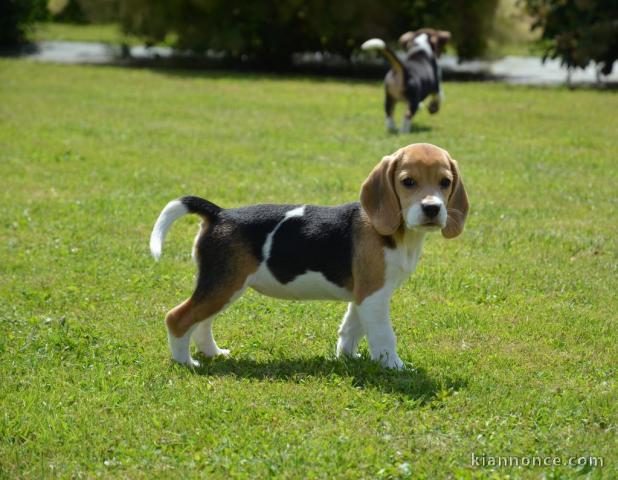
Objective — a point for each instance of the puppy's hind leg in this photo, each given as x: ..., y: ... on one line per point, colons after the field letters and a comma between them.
x: 193, y: 319
x: 203, y: 337
x: 219, y: 283
x: 225, y: 265
x: 204, y: 340
x: 180, y: 323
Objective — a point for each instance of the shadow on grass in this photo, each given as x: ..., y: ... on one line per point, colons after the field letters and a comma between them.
x: 419, y: 127
x: 414, y: 128
x: 414, y: 382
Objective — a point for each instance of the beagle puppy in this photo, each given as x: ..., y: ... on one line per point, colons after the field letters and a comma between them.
x: 416, y: 77
x: 359, y: 252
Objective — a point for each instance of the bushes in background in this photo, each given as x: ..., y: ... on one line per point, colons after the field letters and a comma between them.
x: 578, y: 31
x: 470, y: 21
x: 84, y: 11
x: 271, y: 31
x: 17, y: 16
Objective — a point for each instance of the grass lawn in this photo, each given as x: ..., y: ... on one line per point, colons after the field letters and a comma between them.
x: 510, y: 330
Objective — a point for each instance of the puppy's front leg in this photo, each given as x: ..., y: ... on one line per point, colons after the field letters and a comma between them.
x: 350, y: 333
x: 374, y: 316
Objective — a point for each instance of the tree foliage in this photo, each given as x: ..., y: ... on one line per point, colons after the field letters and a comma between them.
x: 16, y: 17
x: 271, y: 31
x: 578, y: 31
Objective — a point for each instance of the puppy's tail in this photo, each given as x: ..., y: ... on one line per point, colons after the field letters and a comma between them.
x: 380, y: 45
x: 173, y: 211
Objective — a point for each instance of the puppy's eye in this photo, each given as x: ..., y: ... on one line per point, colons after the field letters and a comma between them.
x: 445, y: 183
x: 408, y: 182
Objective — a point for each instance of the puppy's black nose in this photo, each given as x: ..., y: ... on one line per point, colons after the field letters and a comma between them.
x: 430, y: 209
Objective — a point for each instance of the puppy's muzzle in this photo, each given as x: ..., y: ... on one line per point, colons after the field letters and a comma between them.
x: 431, y: 210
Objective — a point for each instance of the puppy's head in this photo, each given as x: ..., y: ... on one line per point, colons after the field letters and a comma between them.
x: 418, y: 187
x: 437, y: 39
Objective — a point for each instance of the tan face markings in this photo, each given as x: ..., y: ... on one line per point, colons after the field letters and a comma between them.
x: 420, y: 174
x: 429, y: 165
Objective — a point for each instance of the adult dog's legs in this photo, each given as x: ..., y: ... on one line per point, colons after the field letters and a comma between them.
x: 434, y: 103
x: 413, y: 103
x: 389, y: 110
x: 406, y: 124
x: 350, y: 333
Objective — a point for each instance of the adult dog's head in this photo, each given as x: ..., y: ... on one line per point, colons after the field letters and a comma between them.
x: 437, y: 39
x: 419, y: 187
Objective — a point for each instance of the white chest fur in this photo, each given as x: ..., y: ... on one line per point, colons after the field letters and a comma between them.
x: 402, y: 261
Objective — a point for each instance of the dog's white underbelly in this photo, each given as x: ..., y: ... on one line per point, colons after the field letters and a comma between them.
x: 308, y: 286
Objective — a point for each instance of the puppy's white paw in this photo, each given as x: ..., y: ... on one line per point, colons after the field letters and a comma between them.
x: 345, y: 354
x: 215, y: 352
x: 190, y: 362
x: 392, y: 362
x: 347, y: 347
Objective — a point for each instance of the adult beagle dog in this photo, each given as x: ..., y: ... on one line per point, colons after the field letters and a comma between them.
x: 358, y: 252
x: 414, y: 78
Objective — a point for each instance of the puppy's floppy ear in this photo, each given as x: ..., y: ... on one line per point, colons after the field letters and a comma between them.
x: 379, y: 198
x: 457, y: 205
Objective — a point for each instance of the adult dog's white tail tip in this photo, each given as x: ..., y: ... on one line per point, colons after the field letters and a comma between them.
x: 374, y: 44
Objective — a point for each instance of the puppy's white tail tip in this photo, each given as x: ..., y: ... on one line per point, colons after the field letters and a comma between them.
x: 374, y: 44
x: 172, y: 211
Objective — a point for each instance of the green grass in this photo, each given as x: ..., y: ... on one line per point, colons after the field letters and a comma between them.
x: 510, y: 329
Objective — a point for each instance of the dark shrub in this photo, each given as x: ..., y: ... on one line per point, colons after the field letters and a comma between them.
x: 271, y: 31
x: 17, y: 16
x: 85, y: 11
x: 578, y: 31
